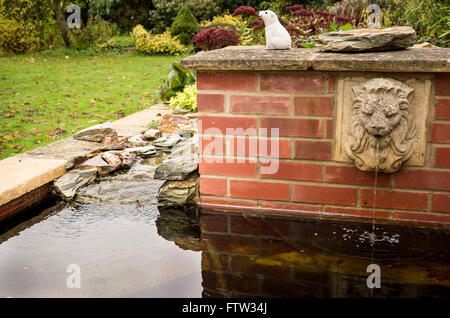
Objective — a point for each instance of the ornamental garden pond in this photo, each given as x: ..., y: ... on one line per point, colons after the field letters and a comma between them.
x: 268, y: 151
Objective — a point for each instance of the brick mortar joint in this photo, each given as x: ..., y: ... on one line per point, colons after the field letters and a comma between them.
x: 330, y: 184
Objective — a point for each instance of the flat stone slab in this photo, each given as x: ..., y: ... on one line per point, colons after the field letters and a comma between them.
x: 21, y: 175
x: 123, y: 189
x: 137, y: 123
x: 365, y: 40
x: 64, y: 149
x: 96, y: 133
x: 257, y: 58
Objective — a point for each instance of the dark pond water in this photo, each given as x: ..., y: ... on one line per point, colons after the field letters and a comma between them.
x: 144, y: 251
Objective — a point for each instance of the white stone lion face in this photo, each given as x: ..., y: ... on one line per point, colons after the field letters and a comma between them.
x: 382, y: 128
x: 380, y: 114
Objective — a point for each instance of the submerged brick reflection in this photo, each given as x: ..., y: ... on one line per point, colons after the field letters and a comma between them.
x: 248, y: 255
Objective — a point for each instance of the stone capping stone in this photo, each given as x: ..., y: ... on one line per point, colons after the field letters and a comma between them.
x: 257, y: 58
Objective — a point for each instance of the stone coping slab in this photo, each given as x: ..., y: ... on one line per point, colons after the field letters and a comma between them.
x: 22, y: 175
x: 257, y: 58
x: 27, y: 171
x: 136, y: 123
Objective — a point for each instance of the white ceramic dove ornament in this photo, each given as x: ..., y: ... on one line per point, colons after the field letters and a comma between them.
x: 277, y: 37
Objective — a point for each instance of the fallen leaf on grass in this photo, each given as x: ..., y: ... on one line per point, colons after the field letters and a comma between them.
x: 17, y: 134
x: 55, y: 133
x: 35, y: 131
x: 119, y: 113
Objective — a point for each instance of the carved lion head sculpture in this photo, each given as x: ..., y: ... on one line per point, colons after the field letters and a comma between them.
x: 382, y: 131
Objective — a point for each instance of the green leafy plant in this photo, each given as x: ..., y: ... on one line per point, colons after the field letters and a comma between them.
x: 154, y: 124
x: 431, y: 20
x: 94, y: 34
x: 177, y: 80
x: 349, y: 8
x: 162, y: 43
x: 16, y: 37
x: 203, y: 9
x: 213, y: 39
x: 335, y: 28
x: 187, y: 99
x: 184, y: 26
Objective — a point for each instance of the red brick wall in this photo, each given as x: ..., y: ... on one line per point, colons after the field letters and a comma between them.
x: 302, y: 106
x: 25, y: 201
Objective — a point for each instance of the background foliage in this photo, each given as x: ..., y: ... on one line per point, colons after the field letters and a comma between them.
x: 162, y: 43
x: 184, y: 26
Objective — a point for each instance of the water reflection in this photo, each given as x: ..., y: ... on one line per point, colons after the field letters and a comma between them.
x: 274, y: 257
x: 181, y: 226
x: 116, y: 246
x: 146, y: 251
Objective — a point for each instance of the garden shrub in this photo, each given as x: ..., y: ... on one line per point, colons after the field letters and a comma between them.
x: 187, y: 99
x: 140, y: 36
x: 236, y: 21
x: 51, y: 36
x: 162, y: 15
x: 249, y: 33
x: 162, y: 43
x: 177, y: 80
x: 231, y: 5
x: 431, y: 20
x: 212, y: 39
x: 16, y: 37
x: 275, y: 5
x: 350, y: 8
x: 203, y: 9
x: 184, y: 26
x: 125, y: 13
x: 165, y: 11
x: 165, y: 43
x: 95, y: 33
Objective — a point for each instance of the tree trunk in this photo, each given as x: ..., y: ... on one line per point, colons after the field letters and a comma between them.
x: 59, y: 13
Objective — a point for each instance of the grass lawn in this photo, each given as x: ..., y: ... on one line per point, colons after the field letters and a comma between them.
x: 53, y: 94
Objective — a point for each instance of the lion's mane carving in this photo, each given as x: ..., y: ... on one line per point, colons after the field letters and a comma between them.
x: 382, y: 130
